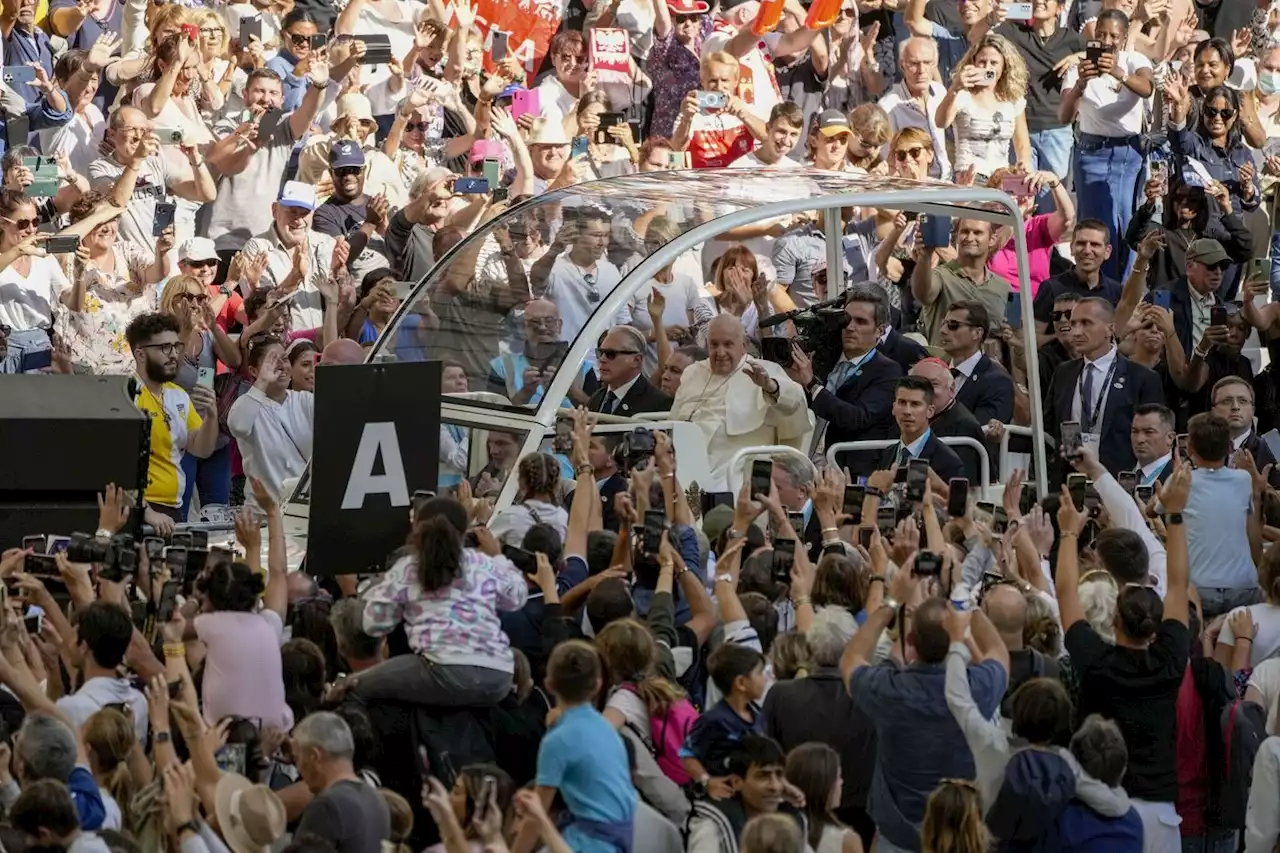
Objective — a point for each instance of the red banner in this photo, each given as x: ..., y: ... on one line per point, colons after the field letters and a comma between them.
x: 610, y: 55
x: 529, y: 23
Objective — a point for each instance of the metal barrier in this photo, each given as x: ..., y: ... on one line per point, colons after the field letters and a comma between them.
x: 984, y: 461
x: 1003, y: 458
x: 734, y: 468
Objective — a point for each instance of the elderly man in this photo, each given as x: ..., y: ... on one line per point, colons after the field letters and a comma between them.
x: 294, y: 254
x: 623, y: 389
x: 549, y: 153
x: 793, y: 479
x: 914, y: 102
x: 738, y: 401
x: 522, y: 376
x: 950, y: 417
x: 136, y: 176
x: 345, y: 809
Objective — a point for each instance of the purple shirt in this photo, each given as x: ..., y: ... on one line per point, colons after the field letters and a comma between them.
x: 675, y: 72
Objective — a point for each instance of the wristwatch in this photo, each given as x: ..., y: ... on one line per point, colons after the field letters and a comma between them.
x: 1172, y: 518
x: 189, y: 826
x: 161, y: 737
x: 724, y: 578
x: 313, y: 85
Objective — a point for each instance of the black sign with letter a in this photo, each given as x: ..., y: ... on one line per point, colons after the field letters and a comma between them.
x: 377, y: 440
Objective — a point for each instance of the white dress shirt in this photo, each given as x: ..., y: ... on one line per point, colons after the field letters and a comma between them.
x: 275, y: 438
x: 1100, y: 369
x: 966, y: 368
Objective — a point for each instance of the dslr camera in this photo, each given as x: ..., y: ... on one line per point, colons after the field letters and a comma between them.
x: 634, y: 450
x: 117, y: 556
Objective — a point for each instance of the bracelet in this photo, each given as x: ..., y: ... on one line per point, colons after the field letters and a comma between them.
x: 1065, y: 533
x: 584, y: 469
x: 800, y: 601
x: 1248, y: 639
x: 175, y: 650
x: 835, y: 530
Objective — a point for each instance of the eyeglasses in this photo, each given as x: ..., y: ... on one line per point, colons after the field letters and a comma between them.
x: 614, y: 353
x: 1221, y: 266
x: 1214, y: 112
x: 211, y: 31
x: 166, y: 349
x: 194, y: 297
x: 593, y: 295
x: 571, y: 58
x: 417, y: 125
x: 520, y: 236
x: 348, y: 171
x: 952, y: 325
x: 848, y: 12
x: 21, y: 224
x: 913, y: 152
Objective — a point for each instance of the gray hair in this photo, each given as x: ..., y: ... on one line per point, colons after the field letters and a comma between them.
x: 1100, y: 748
x: 637, y: 336
x: 46, y: 748
x: 801, y: 471
x: 1098, y: 597
x: 829, y: 632
x: 347, y: 619
x: 902, y: 48
x: 327, y: 732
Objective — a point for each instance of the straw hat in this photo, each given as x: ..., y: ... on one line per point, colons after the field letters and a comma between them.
x: 251, y: 817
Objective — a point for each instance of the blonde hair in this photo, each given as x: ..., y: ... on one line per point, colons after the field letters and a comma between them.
x: 1012, y: 84
x: 207, y: 17
x: 953, y: 820
x: 109, y: 736
x: 871, y: 123
x: 771, y: 833
x: 720, y: 57
x: 159, y: 17
x: 628, y: 652
x: 792, y: 657
x: 401, y: 821
x: 177, y: 286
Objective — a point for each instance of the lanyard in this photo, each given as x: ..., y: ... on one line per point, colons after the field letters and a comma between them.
x: 1090, y: 415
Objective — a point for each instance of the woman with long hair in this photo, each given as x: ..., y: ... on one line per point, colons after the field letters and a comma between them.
x: 465, y: 796
x: 987, y: 104
x: 953, y: 820
x: 32, y: 283
x: 602, y: 159
x: 465, y: 663
x: 302, y: 365
x: 109, y: 740
x: 738, y: 288
x: 537, y: 503
x: 1215, y: 142
x: 814, y: 768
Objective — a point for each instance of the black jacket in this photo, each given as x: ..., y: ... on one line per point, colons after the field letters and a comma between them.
x: 955, y: 421
x: 1170, y: 263
x: 941, y: 458
x: 608, y: 490
x: 1131, y: 386
x: 641, y: 397
x: 1180, y: 307
x: 902, y: 350
x: 988, y: 393
x: 861, y: 409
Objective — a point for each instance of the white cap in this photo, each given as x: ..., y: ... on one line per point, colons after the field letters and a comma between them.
x: 298, y: 194
x: 198, y: 249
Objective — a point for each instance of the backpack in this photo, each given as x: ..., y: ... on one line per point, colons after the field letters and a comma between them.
x: 667, y: 733
x: 1244, y: 728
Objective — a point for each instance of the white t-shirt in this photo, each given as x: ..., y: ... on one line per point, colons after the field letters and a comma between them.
x: 751, y: 161
x: 97, y: 693
x: 28, y: 303
x: 400, y: 32
x: 683, y: 295
x: 1109, y: 107
x: 78, y: 139
x: 567, y: 286
x: 1266, y: 643
x: 984, y: 134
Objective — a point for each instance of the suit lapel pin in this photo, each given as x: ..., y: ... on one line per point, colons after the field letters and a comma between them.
x: 625, y: 407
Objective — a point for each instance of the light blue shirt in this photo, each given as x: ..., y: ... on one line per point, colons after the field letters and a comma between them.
x: 582, y: 756
x: 915, y: 448
x: 1217, y: 533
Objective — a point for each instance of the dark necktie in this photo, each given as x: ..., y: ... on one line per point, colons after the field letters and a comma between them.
x: 1086, y: 396
x: 904, y: 456
x: 610, y: 400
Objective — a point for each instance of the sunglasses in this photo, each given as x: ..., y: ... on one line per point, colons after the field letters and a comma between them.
x: 614, y: 353
x: 200, y: 265
x: 21, y: 224
x: 417, y: 125
x: 299, y: 39
x: 952, y: 325
x: 348, y: 171
x: 194, y: 297
x: 914, y: 153
x: 1224, y: 113
x: 1060, y: 315
x: 593, y: 295
x: 846, y: 13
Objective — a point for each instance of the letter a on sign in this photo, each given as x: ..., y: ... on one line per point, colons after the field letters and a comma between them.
x: 377, y: 438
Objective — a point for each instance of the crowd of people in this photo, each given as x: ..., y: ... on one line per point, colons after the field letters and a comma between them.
x: 861, y: 656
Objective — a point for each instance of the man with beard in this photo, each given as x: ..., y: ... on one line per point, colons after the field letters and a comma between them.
x: 293, y: 252
x: 522, y: 376
x: 966, y: 279
x: 180, y: 423
x: 950, y: 417
x: 350, y: 213
x: 1090, y: 247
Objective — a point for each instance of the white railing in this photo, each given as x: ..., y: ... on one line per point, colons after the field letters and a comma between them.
x: 1003, y: 458
x: 984, y: 461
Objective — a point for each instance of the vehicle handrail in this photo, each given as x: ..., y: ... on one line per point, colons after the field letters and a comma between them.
x: 1003, y: 458
x: 984, y: 461
x: 733, y: 469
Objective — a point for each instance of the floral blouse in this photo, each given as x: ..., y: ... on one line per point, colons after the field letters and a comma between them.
x: 675, y: 70
x: 95, y: 335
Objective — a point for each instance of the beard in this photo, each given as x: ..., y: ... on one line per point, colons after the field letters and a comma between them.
x: 161, y: 371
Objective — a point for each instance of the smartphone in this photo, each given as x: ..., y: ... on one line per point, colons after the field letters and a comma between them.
x: 655, y: 522
x: 935, y: 231
x: 230, y: 758
x: 168, y: 601
x: 761, y: 477
x: 250, y: 29
x: 1072, y: 440
x: 421, y: 496
x: 797, y: 522
x: 1076, y: 485
x: 1260, y: 268
x: 56, y: 544
x: 15, y: 74
x: 175, y: 557
x: 424, y: 761
x: 854, y: 497
x: 35, y: 544
x: 1128, y: 480
x: 1092, y: 500
x: 37, y: 360
x: 563, y: 441
x: 608, y: 120
x: 928, y: 564
x: 526, y: 102
x: 62, y: 245
x: 710, y: 500
x: 493, y: 172
x: 204, y: 377
x: 34, y: 623
x: 170, y: 135
x: 498, y: 45
x: 1218, y: 315
x: 41, y: 566
x: 165, y: 211
x: 17, y: 130
x: 917, y: 476
x: 154, y: 546
x: 1014, y: 185
x: 1017, y: 11
x: 999, y: 521
x: 471, y: 186
x: 1144, y: 493
x: 199, y: 539
x: 317, y: 42
x: 886, y: 520
x: 487, y: 786
x: 784, y: 557
x: 777, y: 350
x: 712, y: 100
x: 1272, y: 439
x: 181, y: 539
x: 958, y: 497
x: 1026, y: 500
x: 1182, y: 445
x: 523, y: 560
x: 1159, y: 171
x: 986, y: 509
x: 678, y: 160
x: 1162, y: 298
x: 1093, y: 51
x: 377, y: 48
x: 1013, y: 311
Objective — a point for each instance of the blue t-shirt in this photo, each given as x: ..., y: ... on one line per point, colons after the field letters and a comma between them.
x: 582, y: 757
x: 715, y: 734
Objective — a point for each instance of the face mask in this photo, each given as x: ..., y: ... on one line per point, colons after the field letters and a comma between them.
x: 1269, y: 82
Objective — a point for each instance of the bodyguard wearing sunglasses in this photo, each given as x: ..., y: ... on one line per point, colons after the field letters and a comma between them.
x: 623, y: 389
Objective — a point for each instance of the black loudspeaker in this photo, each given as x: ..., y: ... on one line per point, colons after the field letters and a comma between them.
x: 63, y: 439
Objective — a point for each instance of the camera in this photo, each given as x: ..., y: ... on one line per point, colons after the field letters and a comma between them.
x: 634, y: 450
x: 818, y: 329
x: 117, y: 556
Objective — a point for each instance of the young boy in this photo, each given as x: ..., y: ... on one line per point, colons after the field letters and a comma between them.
x: 583, y: 758
x: 755, y: 769
x: 738, y: 673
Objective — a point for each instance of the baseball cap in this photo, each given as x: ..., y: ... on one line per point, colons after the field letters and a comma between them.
x: 832, y: 122
x: 688, y: 7
x: 198, y: 249
x: 510, y: 91
x: 717, y: 520
x: 298, y: 194
x: 345, y: 154
x: 1207, y: 251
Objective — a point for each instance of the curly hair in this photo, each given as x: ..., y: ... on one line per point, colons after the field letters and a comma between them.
x: 1012, y: 85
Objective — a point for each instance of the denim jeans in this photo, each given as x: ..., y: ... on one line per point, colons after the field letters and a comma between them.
x: 1051, y: 152
x: 1218, y: 600
x: 1213, y: 841
x: 1108, y: 178
x: 414, y: 679
x: 212, y: 476
x: 20, y: 343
